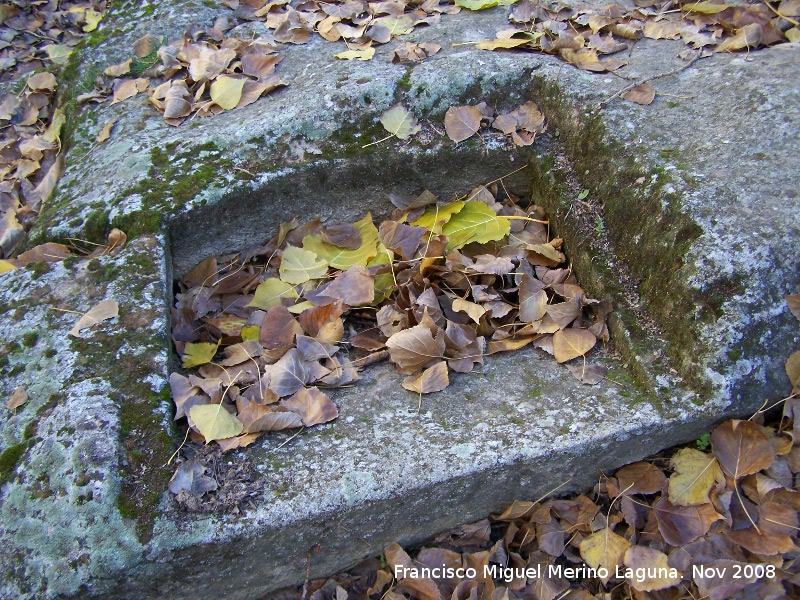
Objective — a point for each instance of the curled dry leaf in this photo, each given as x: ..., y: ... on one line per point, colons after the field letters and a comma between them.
x: 18, y: 398
x: 641, y: 94
x: 312, y: 405
x: 107, y: 309
x: 433, y: 379
x: 415, y: 348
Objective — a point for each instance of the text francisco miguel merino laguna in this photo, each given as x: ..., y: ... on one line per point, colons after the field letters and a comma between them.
x: 509, y: 574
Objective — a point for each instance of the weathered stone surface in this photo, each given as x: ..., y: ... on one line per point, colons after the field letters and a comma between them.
x: 706, y: 238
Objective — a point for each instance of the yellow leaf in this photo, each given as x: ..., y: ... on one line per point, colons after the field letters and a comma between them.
x: 341, y: 258
x: 475, y: 222
x: 6, y: 266
x: 653, y: 563
x: 693, y: 478
x: 475, y: 311
x: 296, y: 309
x: 604, y: 549
x: 251, y: 332
x: 399, y: 121
x: 54, y: 129
x: 214, y: 422
x: 92, y: 19
x: 200, y: 353
x: 299, y: 266
x: 501, y: 43
x: 269, y: 293
x: 704, y: 8
x: 227, y: 91
x: 365, y: 54
x: 105, y: 132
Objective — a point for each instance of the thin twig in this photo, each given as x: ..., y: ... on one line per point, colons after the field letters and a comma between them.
x: 651, y: 78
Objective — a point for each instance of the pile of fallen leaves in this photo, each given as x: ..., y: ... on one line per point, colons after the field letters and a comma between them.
x: 203, y: 73
x: 36, y: 35
x: 698, y: 524
x: 714, y: 519
x: 29, y: 164
x: 433, y: 289
x: 580, y: 35
x: 357, y: 23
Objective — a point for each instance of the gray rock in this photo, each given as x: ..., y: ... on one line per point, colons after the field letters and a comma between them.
x: 696, y: 259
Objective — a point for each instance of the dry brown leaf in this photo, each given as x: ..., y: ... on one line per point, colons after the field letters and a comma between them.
x: 793, y: 302
x: 415, y: 349
x: 641, y: 94
x: 312, y: 405
x: 105, y: 132
x: 640, y: 478
x: 681, y: 525
x: 741, y: 448
x: 572, y: 343
x: 793, y: 369
x: 588, y: 374
x: 107, y: 309
x: 18, y: 398
x: 433, y: 379
x: 462, y: 122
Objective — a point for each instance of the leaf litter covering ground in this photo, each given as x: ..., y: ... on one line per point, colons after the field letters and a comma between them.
x: 715, y: 519
x: 433, y: 290
x: 687, y: 524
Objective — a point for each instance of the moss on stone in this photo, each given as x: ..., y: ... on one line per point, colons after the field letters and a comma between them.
x: 9, y: 460
x: 646, y: 227
x: 30, y: 338
x: 38, y: 268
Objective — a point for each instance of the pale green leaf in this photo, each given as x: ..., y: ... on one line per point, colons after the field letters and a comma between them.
x: 396, y: 24
x: 341, y: 258
x: 298, y: 266
x: 214, y: 422
x: 227, y: 91
x: 199, y: 353
x: 269, y: 293
x: 399, y: 121
x: 58, y: 53
x: 436, y: 216
x: 475, y: 222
